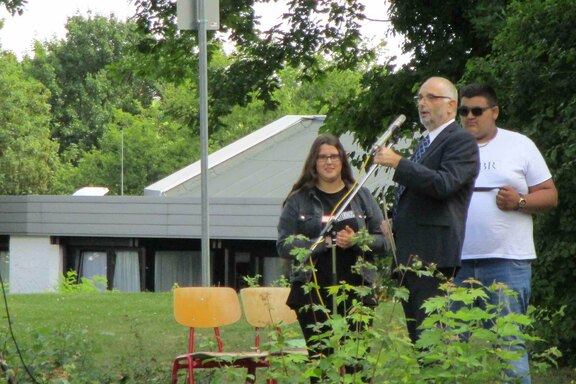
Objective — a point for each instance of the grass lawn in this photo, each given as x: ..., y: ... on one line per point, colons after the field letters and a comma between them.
x: 119, y: 330
x: 119, y: 325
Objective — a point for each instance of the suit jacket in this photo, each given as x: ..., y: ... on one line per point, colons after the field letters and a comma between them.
x: 431, y: 214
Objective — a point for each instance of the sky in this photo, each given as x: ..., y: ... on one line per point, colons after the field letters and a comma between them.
x: 45, y: 19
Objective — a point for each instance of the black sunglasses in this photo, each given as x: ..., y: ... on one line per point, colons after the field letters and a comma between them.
x: 476, y: 111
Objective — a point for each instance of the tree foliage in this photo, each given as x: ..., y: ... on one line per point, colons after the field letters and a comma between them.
x: 153, y: 148
x: 102, y: 92
x: 253, y: 72
x: 84, y: 91
x: 443, y: 35
x: 28, y: 156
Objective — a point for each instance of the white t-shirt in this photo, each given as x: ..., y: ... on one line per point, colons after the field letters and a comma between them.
x: 510, y: 158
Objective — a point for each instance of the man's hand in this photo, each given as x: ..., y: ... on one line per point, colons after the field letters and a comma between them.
x: 507, y: 198
x: 386, y: 228
x: 387, y: 157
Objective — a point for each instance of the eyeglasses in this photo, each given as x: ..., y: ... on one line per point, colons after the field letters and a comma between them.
x: 325, y: 158
x: 476, y: 111
x: 429, y: 97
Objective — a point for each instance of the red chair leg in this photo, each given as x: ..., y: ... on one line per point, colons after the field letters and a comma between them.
x: 174, y: 372
x: 176, y: 366
x: 190, y: 373
x: 251, y: 378
x: 190, y: 376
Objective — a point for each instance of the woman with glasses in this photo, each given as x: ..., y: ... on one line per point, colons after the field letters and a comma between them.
x: 318, y: 193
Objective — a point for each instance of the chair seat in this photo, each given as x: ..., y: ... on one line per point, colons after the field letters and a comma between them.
x: 289, y: 351
x: 234, y: 356
x: 223, y: 358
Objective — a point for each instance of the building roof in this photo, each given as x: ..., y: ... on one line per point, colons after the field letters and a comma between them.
x: 263, y: 164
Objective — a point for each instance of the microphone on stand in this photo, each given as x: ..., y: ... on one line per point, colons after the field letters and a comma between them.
x: 386, y: 136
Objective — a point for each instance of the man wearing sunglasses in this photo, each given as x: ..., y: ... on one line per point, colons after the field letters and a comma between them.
x: 514, y: 182
x: 434, y: 190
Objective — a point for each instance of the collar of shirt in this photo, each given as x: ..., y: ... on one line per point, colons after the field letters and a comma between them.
x: 433, y: 134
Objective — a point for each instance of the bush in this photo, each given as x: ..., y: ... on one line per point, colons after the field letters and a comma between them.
x: 70, y: 283
x: 459, y: 342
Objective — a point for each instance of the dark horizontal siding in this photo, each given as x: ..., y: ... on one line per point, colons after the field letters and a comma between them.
x: 138, y: 216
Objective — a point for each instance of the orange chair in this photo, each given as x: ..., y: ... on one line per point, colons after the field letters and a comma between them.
x: 266, y: 307
x: 210, y: 307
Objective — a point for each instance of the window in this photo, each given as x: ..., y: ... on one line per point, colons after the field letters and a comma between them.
x: 177, y: 267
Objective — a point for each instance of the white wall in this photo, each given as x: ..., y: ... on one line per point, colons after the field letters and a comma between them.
x: 35, y: 264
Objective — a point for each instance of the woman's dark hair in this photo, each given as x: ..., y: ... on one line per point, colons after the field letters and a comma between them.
x: 309, y: 176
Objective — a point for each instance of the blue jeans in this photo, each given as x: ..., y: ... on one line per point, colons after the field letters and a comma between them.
x: 517, y: 275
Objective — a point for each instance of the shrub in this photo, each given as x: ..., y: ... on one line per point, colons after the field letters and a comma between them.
x: 459, y: 343
x: 70, y: 284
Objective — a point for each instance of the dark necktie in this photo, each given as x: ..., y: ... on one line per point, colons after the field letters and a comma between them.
x: 421, y: 148
x: 416, y: 156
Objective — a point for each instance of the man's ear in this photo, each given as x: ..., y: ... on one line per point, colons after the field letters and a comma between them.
x: 495, y: 112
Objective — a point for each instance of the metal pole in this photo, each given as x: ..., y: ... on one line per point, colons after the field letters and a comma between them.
x: 334, y: 275
x: 122, y: 161
x: 203, y: 74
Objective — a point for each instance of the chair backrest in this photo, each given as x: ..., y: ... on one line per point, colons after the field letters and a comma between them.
x: 206, y: 307
x: 266, y: 305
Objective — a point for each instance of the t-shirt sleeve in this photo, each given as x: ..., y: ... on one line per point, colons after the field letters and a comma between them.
x: 536, y: 170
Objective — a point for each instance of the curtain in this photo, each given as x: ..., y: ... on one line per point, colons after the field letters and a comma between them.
x: 177, y: 267
x: 127, y: 272
x: 94, y: 264
x: 274, y: 268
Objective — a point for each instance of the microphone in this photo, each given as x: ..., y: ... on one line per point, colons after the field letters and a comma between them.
x: 382, y: 139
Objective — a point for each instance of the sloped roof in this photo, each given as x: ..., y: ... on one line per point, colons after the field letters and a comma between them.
x: 263, y: 164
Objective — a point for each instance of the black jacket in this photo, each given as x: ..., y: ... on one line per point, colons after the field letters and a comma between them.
x: 302, y: 215
x: 431, y: 214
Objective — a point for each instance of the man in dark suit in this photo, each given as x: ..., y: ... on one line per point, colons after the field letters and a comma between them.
x: 434, y: 192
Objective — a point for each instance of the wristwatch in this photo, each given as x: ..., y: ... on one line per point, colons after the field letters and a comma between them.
x: 521, y: 203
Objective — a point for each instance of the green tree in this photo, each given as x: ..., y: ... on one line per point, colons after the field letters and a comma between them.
x: 154, y: 147
x: 293, y: 98
x: 85, y: 90
x: 442, y: 36
x: 28, y: 157
x: 253, y: 73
